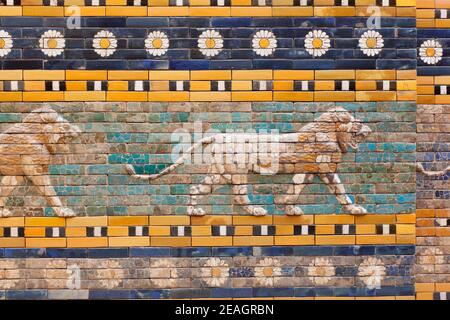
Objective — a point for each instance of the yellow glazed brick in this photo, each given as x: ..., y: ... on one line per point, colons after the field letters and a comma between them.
x: 293, y: 74
x: 442, y: 80
x: 126, y: 11
x: 167, y: 11
x: 243, y: 230
x: 159, y: 231
x: 365, y: 229
x: 86, y: 75
x: 426, y: 100
x: 211, y: 75
x: 117, y: 231
x: 210, y: 96
x: 43, y: 75
x: 85, y: 96
x: 211, y: 220
x: 406, y: 239
x: 34, y: 86
x: 200, y: 86
x: 76, y: 232
x: 251, y: 220
x: 43, y: 96
x: 36, y: 232
x: 331, y: 240
x: 293, y: 96
x: 442, y: 23
x: 443, y: 287
x: 204, y: 3
x: 12, y: 222
x: 406, y: 229
x: 425, y: 23
x: 406, y: 218
x: 12, y: 242
x: 159, y: 86
x: 334, y: 96
x: 74, y: 2
x: 252, y: 74
x: 209, y: 11
x: 334, y: 74
x: 334, y: 219
x: 45, y: 222
x: 284, y: 230
x: 85, y: 11
x: 406, y: 85
x: 201, y: 231
x: 87, y: 221
x: 425, y: 287
x: 334, y: 11
x: 293, y: 240
x: 77, y: 86
x: 241, y: 2
x: 253, y: 241
x: 129, y: 241
x: 325, y: 229
x: 324, y: 85
x: 375, y: 219
x: 292, y: 11
x: 166, y: 96
x: 11, y: 75
x: 406, y: 12
x: 126, y: 96
x: 170, y: 241
x: 293, y: 220
x: 425, y: 14
x: 251, y: 96
x: 283, y: 85
x: 375, y: 239
x: 128, y: 221
x: 116, y: 2
x: 91, y: 242
x: 406, y: 3
x: 45, y: 243
x: 170, y: 220
x: 424, y: 296
x: 10, y: 11
x: 212, y: 241
x: 376, y: 96
x: 406, y: 74
x: 282, y: 2
x: 442, y: 99
x: 365, y: 85
x: 254, y: 12
x: 10, y: 96
x: 128, y: 75
x: 442, y: 4
x: 118, y: 85
x: 158, y: 3
x: 375, y: 74
x: 241, y: 85
x: 43, y: 11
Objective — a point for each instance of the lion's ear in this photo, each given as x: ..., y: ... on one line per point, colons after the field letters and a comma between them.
x: 49, y: 117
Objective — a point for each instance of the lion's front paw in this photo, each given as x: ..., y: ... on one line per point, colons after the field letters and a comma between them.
x: 258, y: 211
x: 193, y: 211
x: 354, y: 209
x: 65, y: 212
x: 5, y: 213
x: 293, y: 211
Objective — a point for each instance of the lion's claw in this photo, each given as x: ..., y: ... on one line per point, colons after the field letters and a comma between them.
x: 293, y: 211
x: 356, y: 210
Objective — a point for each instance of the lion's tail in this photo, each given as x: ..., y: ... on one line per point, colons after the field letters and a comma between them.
x: 179, y: 162
x: 421, y: 169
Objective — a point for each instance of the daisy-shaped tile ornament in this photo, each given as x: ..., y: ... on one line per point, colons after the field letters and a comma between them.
x: 105, y: 43
x: 157, y: 43
x: 431, y: 52
x: 317, y: 43
x: 52, y: 43
x: 210, y: 43
x: 264, y: 43
x: 6, y: 43
x: 371, y: 43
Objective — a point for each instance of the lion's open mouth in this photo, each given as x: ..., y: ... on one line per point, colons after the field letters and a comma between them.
x: 358, y: 137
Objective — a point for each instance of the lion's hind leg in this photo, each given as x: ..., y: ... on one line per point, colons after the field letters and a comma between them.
x: 300, y: 181
x: 202, y: 189
x: 7, y: 186
x: 335, y: 185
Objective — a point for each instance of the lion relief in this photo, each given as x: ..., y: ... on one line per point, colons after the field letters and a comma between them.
x: 25, y: 154
x: 316, y: 149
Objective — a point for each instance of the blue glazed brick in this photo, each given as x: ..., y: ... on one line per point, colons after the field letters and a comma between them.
x: 15, y: 253
x: 191, y: 252
x: 108, y: 253
x: 67, y: 253
x: 149, y: 252
x: 232, y: 251
x: 110, y: 294
x: 396, y: 291
x: 273, y: 292
x: 277, y: 251
x: 26, y: 294
x: 241, y: 272
x: 149, y: 294
x: 312, y: 251
x: 189, y: 293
